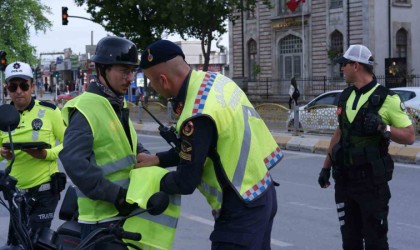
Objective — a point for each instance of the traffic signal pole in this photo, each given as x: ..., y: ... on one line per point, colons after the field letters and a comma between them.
x: 65, y: 16
x: 1, y: 89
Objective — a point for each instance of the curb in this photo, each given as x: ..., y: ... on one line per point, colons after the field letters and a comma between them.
x: 400, y: 153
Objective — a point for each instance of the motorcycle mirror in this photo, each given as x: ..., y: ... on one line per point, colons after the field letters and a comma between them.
x: 9, y: 117
x: 158, y: 203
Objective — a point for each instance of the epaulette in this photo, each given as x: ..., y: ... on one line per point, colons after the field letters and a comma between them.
x: 47, y: 104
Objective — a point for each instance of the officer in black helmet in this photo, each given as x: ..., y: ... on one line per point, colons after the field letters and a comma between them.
x: 100, y: 144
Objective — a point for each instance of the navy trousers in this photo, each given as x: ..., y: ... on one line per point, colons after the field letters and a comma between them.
x: 242, y: 226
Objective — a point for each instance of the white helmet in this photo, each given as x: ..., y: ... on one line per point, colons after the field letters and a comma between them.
x: 18, y: 70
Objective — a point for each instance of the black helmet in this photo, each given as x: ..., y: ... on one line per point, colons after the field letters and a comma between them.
x: 116, y: 50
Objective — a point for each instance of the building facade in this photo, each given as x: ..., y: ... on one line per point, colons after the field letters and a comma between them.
x: 269, y: 46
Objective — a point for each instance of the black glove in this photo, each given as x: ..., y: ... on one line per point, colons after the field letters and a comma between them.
x: 324, y: 177
x: 121, y: 205
x: 373, y: 124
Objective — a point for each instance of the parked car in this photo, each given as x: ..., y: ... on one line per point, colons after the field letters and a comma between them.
x: 66, y: 97
x: 410, y: 96
x: 319, y: 114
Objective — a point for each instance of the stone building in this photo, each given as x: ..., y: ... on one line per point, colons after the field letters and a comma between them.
x: 268, y: 46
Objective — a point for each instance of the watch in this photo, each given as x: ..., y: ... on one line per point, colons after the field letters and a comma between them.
x: 387, y: 132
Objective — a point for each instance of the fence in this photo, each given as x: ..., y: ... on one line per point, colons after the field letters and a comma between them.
x: 266, y: 88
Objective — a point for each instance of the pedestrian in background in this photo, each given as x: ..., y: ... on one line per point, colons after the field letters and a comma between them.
x: 100, y: 144
x: 226, y: 150
x: 36, y: 170
x: 369, y: 117
x: 293, y: 93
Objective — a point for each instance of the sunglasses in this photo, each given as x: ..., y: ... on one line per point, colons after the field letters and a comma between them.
x: 348, y: 62
x: 12, y: 86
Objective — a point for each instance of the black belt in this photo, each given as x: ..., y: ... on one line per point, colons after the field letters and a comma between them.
x: 43, y: 187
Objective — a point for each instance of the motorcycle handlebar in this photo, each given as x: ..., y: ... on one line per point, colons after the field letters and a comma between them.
x: 130, y: 235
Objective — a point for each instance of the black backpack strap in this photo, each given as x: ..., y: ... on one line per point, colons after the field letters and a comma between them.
x: 342, y: 104
x: 377, y: 98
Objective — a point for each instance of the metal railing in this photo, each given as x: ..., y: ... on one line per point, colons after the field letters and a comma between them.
x: 267, y: 88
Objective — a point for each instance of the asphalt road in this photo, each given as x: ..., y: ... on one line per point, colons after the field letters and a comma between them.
x: 306, y: 217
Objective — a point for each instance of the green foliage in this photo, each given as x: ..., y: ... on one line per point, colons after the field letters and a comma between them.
x: 334, y: 53
x: 145, y: 21
x: 17, y: 17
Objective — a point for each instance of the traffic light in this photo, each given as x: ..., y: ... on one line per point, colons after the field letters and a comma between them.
x: 38, y: 72
x: 3, y: 60
x: 64, y: 15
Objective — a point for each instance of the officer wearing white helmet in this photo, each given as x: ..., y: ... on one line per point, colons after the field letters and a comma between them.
x: 35, y: 169
x: 369, y: 116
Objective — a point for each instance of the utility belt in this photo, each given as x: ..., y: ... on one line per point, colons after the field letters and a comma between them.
x: 356, y: 164
x: 55, y: 185
x: 40, y: 188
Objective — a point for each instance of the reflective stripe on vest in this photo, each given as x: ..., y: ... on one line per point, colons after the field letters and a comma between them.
x: 35, y: 133
x: 162, y: 219
x: 118, y: 165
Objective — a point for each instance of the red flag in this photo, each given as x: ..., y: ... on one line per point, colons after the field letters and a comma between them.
x: 293, y: 4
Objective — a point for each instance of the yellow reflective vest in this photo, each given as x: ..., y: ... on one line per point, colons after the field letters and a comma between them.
x: 40, y: 123
x: 246, y: 147
x: 112, y: 150
x: 158, y: 232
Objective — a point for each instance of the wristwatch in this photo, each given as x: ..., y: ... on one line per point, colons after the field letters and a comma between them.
x: 387, y: 131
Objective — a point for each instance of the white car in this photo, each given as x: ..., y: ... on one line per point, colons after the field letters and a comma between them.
x: 319, y: 114
x: 410, y: 96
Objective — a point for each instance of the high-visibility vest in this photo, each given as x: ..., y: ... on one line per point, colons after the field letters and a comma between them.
x: 158, y: 232
x: 111, y: 147
x: 245, y: 145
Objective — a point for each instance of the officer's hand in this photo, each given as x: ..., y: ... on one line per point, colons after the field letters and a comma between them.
x: 324, y: 177
x: 123, y: 207
x: 373, y: 123
x: 146, y: 160
x: 6, y: 154
x: 36, y: 153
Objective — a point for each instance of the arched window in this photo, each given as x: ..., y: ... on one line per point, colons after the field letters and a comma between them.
x: 336, y: 50
x: 253, y: 67
x: 401, y: 41
x: 290, y: 61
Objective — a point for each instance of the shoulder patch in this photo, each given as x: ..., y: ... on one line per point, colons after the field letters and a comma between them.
x: 47, y: 104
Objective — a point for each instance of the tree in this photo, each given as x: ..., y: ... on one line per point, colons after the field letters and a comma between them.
x: 145, y: 21
x: 206, y: 19
x: 142, y: 21
x: 16, y: 18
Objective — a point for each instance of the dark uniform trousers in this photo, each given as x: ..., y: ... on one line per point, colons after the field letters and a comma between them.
x: 42, y: 205
x: 362, y: 208
x: 245, y: 227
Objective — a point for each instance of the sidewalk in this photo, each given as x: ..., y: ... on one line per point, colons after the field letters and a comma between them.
x: 309, y: 143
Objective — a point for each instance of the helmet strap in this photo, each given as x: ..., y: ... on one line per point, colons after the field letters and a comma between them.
x: 101, y: 69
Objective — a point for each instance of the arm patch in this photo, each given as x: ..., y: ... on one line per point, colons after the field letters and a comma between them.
x: 47, y: 104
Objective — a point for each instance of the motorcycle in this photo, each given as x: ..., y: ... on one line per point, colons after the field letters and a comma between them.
x: 67, y: 235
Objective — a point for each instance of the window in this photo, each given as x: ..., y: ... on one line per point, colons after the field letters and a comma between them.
x: 401, y: 43
x: 336, y: 50
x: 335, y: 4
x: 252, y: 59
x: 290, y: 50
x: 401, y: 1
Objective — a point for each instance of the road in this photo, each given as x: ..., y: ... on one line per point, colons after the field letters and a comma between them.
x: 306, y: 217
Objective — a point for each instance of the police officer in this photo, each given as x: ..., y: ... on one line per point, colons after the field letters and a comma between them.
x: 34, y: 169
x: 226, y: 150
x: 369, y: 117
x: 100, y: 144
